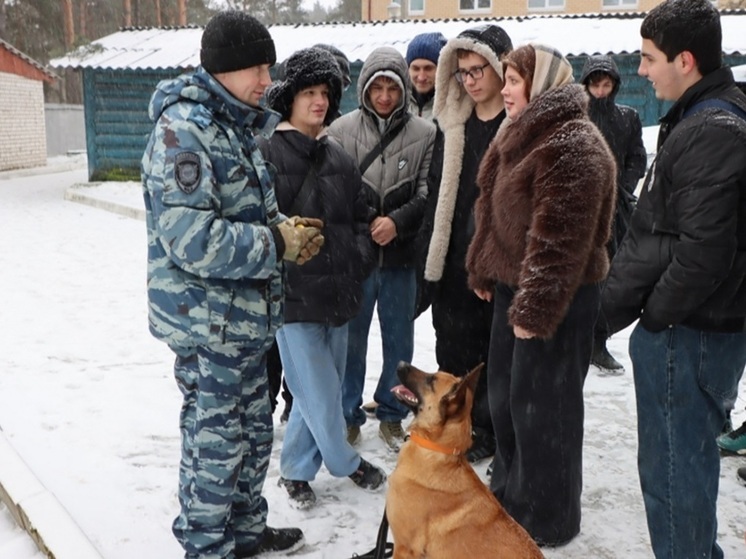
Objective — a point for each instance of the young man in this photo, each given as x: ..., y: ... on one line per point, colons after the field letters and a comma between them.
x: 622, y: 130
x: 393, y: 150
x: 469, y: 109
x: 316, y: 177
x: 422, y: 58
x: 216, y: 242
x: 680, y: 270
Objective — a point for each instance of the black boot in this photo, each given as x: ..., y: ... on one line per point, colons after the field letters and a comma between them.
x: 602, y: 359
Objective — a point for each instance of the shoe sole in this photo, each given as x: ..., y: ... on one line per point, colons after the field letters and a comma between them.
x: 726, y: 452
x: 297, y: 546
x: 370, y: 410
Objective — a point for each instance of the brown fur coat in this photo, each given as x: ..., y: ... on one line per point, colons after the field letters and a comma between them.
x: 544, y: 212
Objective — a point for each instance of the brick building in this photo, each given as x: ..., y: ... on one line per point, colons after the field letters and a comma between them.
x: 22, y: 134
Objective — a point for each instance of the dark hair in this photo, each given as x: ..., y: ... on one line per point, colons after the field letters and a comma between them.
x: 675, y: 26
x: 523, y: 61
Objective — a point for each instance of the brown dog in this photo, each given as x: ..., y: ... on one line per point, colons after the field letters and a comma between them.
x: 437, y: 506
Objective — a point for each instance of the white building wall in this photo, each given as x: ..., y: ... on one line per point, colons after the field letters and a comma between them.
x: 22, y: 134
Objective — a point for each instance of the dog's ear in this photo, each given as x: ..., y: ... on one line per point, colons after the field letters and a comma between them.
x: 455, y: 400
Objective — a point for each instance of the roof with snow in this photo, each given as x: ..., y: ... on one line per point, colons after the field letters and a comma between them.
x: 43, y: 73
x: 573, y: 34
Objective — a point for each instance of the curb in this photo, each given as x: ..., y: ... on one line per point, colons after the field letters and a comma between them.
x: 75, y: 194
x: 37, y: 510
x: 46, y: 169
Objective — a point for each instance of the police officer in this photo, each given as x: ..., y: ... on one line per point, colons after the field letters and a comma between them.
x: 216, y: 242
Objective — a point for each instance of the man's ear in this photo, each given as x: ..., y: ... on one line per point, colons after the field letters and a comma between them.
x: 687, y: 62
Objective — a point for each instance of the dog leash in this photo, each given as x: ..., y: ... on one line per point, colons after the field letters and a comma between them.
x: 383, y: 549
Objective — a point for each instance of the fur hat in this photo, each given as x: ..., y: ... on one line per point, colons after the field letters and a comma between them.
x: 234, y: 40
x: 493, y: 36
x: 427, y: 46
x: 342, y: 61
x: 305, y: 68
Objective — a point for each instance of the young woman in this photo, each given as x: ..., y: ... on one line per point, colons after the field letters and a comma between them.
x: 316, y: 178
x: 539, y: 252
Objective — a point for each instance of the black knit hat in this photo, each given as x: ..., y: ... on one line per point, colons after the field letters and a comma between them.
x: 342, y: 61
x: 493, y: 36
x: 305, y: 68
x: 234, y: 40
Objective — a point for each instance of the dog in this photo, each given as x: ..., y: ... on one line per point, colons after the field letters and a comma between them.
x: 437, y: 506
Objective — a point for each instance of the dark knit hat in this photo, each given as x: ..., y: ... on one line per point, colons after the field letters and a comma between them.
x: 427, y: 46
x: 234, y: 40
x: 342, y: 61
x: 493, y: 36
x: 305, y: 68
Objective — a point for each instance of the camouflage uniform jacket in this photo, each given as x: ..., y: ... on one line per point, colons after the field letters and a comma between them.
x: 213, y: 273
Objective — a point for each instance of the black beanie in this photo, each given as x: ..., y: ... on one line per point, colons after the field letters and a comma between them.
x: 493, y: 36
x: 305, y: 68
x: 234, y: 40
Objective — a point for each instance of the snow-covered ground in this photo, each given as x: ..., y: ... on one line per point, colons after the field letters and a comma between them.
x: 88, y: 400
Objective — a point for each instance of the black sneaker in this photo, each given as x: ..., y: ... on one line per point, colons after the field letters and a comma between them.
x: 367, y: 476
x: 274, y: 541
x: 602, y: 359
x: 741, y: 475
x: 301, y: 495
x: 483, y: 446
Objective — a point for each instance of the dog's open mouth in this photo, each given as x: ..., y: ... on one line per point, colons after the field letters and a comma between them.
x: 406, y: 396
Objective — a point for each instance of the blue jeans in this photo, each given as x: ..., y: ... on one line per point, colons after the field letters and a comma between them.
x: 393, y: 289
x: 682, y: 379
x: 313, y: 357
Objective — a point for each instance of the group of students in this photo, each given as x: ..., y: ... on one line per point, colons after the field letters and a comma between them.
x: 477, y: 179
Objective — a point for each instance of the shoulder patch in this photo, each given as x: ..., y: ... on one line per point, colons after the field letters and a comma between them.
x: 188, y: 171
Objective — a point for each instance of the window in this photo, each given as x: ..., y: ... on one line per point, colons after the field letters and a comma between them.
x: 623, y: 4
x: 467, y: 5
x: 415, y: 7
x: 539, y: 5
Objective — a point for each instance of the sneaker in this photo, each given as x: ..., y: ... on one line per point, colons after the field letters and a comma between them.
x: 274, y: 541
x: 392, y: 434
x: 482, y: 446
x: 370, y: 409
x: 741, y: 475
x: 367, y: 476
x: 286, y: 413
x: 733, y: 443
x: 353, y: 434
x: 602, y: 359
x: 301, y: 495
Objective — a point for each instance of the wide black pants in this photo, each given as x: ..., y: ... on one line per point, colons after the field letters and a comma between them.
x: 536, y: 399
x: 462, y: 323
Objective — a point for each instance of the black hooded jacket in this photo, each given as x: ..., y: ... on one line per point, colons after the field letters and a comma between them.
x: 683, y: 260
x: 619, y: 124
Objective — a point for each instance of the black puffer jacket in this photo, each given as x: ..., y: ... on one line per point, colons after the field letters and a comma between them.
x: 328, y: 288
x: 683, y: 260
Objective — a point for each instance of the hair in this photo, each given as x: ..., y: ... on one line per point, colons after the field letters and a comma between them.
x: 596, y: 76
x: 523, y: 61
x: 675, y: 26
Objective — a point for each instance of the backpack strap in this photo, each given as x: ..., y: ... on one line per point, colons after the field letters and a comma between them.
x: 386, y: 139
x: 715, y: 104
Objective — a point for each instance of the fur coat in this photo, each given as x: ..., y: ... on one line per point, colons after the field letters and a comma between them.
x: 547, y: 195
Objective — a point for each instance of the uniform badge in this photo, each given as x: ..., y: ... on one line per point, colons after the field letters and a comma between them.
x: 188, y: 171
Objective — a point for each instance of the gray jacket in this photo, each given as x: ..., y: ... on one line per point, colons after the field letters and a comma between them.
x: 396, y: 181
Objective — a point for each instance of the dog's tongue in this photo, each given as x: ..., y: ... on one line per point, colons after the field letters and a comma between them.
x: 404, y: 393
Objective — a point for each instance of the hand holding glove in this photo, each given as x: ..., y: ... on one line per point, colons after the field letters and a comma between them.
x: 301, y: 238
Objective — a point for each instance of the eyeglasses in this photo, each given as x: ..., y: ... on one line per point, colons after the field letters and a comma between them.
x: 476, y: 73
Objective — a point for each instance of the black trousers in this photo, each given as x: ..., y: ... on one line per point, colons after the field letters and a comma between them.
x: 274, y: 372
x: 462, y: 324
x: 536, y: 397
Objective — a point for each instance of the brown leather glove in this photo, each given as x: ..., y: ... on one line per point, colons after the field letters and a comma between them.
x: 301, y: 237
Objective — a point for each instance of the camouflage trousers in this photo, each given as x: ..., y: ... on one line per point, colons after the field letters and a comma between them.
x: 226, y: 440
